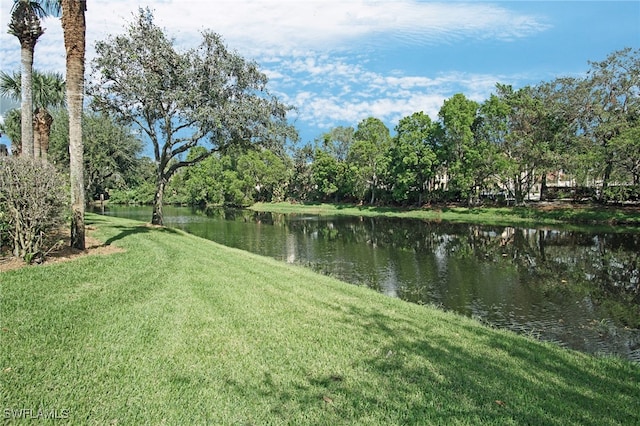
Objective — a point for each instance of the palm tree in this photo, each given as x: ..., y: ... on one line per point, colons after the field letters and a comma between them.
x: 25, y: 25
x: 74, y: 29
x: 48, y: 92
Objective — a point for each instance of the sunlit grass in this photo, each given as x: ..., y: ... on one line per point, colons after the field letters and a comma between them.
x: 609, y: 217
x: 181, y: 330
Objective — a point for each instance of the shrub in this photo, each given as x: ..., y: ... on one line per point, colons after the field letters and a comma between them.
x: 33, y: 202
x: 142, y: 194
x: 622, y: 193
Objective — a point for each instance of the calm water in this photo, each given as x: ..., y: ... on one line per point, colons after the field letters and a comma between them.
x: 580, y: 289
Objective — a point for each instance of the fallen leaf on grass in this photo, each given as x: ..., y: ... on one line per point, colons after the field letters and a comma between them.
x: 501, y: 403
x: 327, y: 399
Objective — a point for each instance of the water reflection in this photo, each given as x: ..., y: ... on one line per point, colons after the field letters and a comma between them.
x: 579, y: 289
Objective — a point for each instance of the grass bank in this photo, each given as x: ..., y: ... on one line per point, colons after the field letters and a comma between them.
x: 535, y: 214
x: 181, y: 330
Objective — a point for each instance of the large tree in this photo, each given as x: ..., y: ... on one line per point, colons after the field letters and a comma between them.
x: 458, y: 115
x: 207, y: 96
x: 526, y: 143
x: 370, y: 155
x: 414, y: 155
x: 74, y: 29
x: 331, y: 175
x: 492, y: 129
x: 25, y: 25
x: 609, y: 104
x: 327, y: 174
x: 557, y: 129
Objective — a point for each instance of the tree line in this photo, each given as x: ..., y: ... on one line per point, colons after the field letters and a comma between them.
x: 571, y: 137
x: 582, y: 133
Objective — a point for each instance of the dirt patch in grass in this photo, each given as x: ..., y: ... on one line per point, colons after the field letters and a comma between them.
x: 547, y: 206
x: 63, y: 252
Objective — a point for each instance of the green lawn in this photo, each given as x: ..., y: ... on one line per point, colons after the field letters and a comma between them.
x: 180, y: 330
x: 621, y: 218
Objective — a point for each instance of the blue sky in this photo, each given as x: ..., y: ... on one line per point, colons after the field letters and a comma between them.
x: 341, y: 61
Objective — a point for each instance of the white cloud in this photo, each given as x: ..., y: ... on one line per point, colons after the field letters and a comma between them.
x: 337, y: 93
x: 273, y: 28
x: 307, y: 47
x: 294, y: 27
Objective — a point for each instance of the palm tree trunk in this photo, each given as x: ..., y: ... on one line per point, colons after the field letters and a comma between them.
x: 42, y: 131
x: 74, y: 28
x: 37, y: 134
x: 26, y: 107
x: 36, y: 141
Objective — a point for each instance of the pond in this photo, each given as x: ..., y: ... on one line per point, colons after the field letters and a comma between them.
x: 577, y: 288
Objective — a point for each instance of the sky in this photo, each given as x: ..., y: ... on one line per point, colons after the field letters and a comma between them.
x: 341, y: 61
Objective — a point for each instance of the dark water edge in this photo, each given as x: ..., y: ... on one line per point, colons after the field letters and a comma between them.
x: 578, y: 289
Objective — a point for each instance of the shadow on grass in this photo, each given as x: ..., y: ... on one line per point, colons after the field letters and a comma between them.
x: 420, y: 374
x: 488, y: 377
x: 124, y: 230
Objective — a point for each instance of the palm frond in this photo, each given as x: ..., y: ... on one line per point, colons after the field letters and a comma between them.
x: 48, y: 88
x: 10, y: 85
x: 40, y: 8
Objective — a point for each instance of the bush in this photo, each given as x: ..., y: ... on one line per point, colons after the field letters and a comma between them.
x: 575, y: 193
x: 142, y: 194
x: 33, y: 202
x: 622, y: 193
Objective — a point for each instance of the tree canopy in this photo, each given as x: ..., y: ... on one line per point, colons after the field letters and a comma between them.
x: 205, y: 96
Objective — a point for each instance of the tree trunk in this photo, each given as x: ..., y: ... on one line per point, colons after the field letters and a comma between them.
x: 157, y: 216
x: 42, y: 121
x: 26, y: 106
x: 518, y: 193
x: 74, y: 28
x: 36, y: 136
x: 543, y: 187
x: 45, y: 137
x: 374, y: 183
x: 605, y: 179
